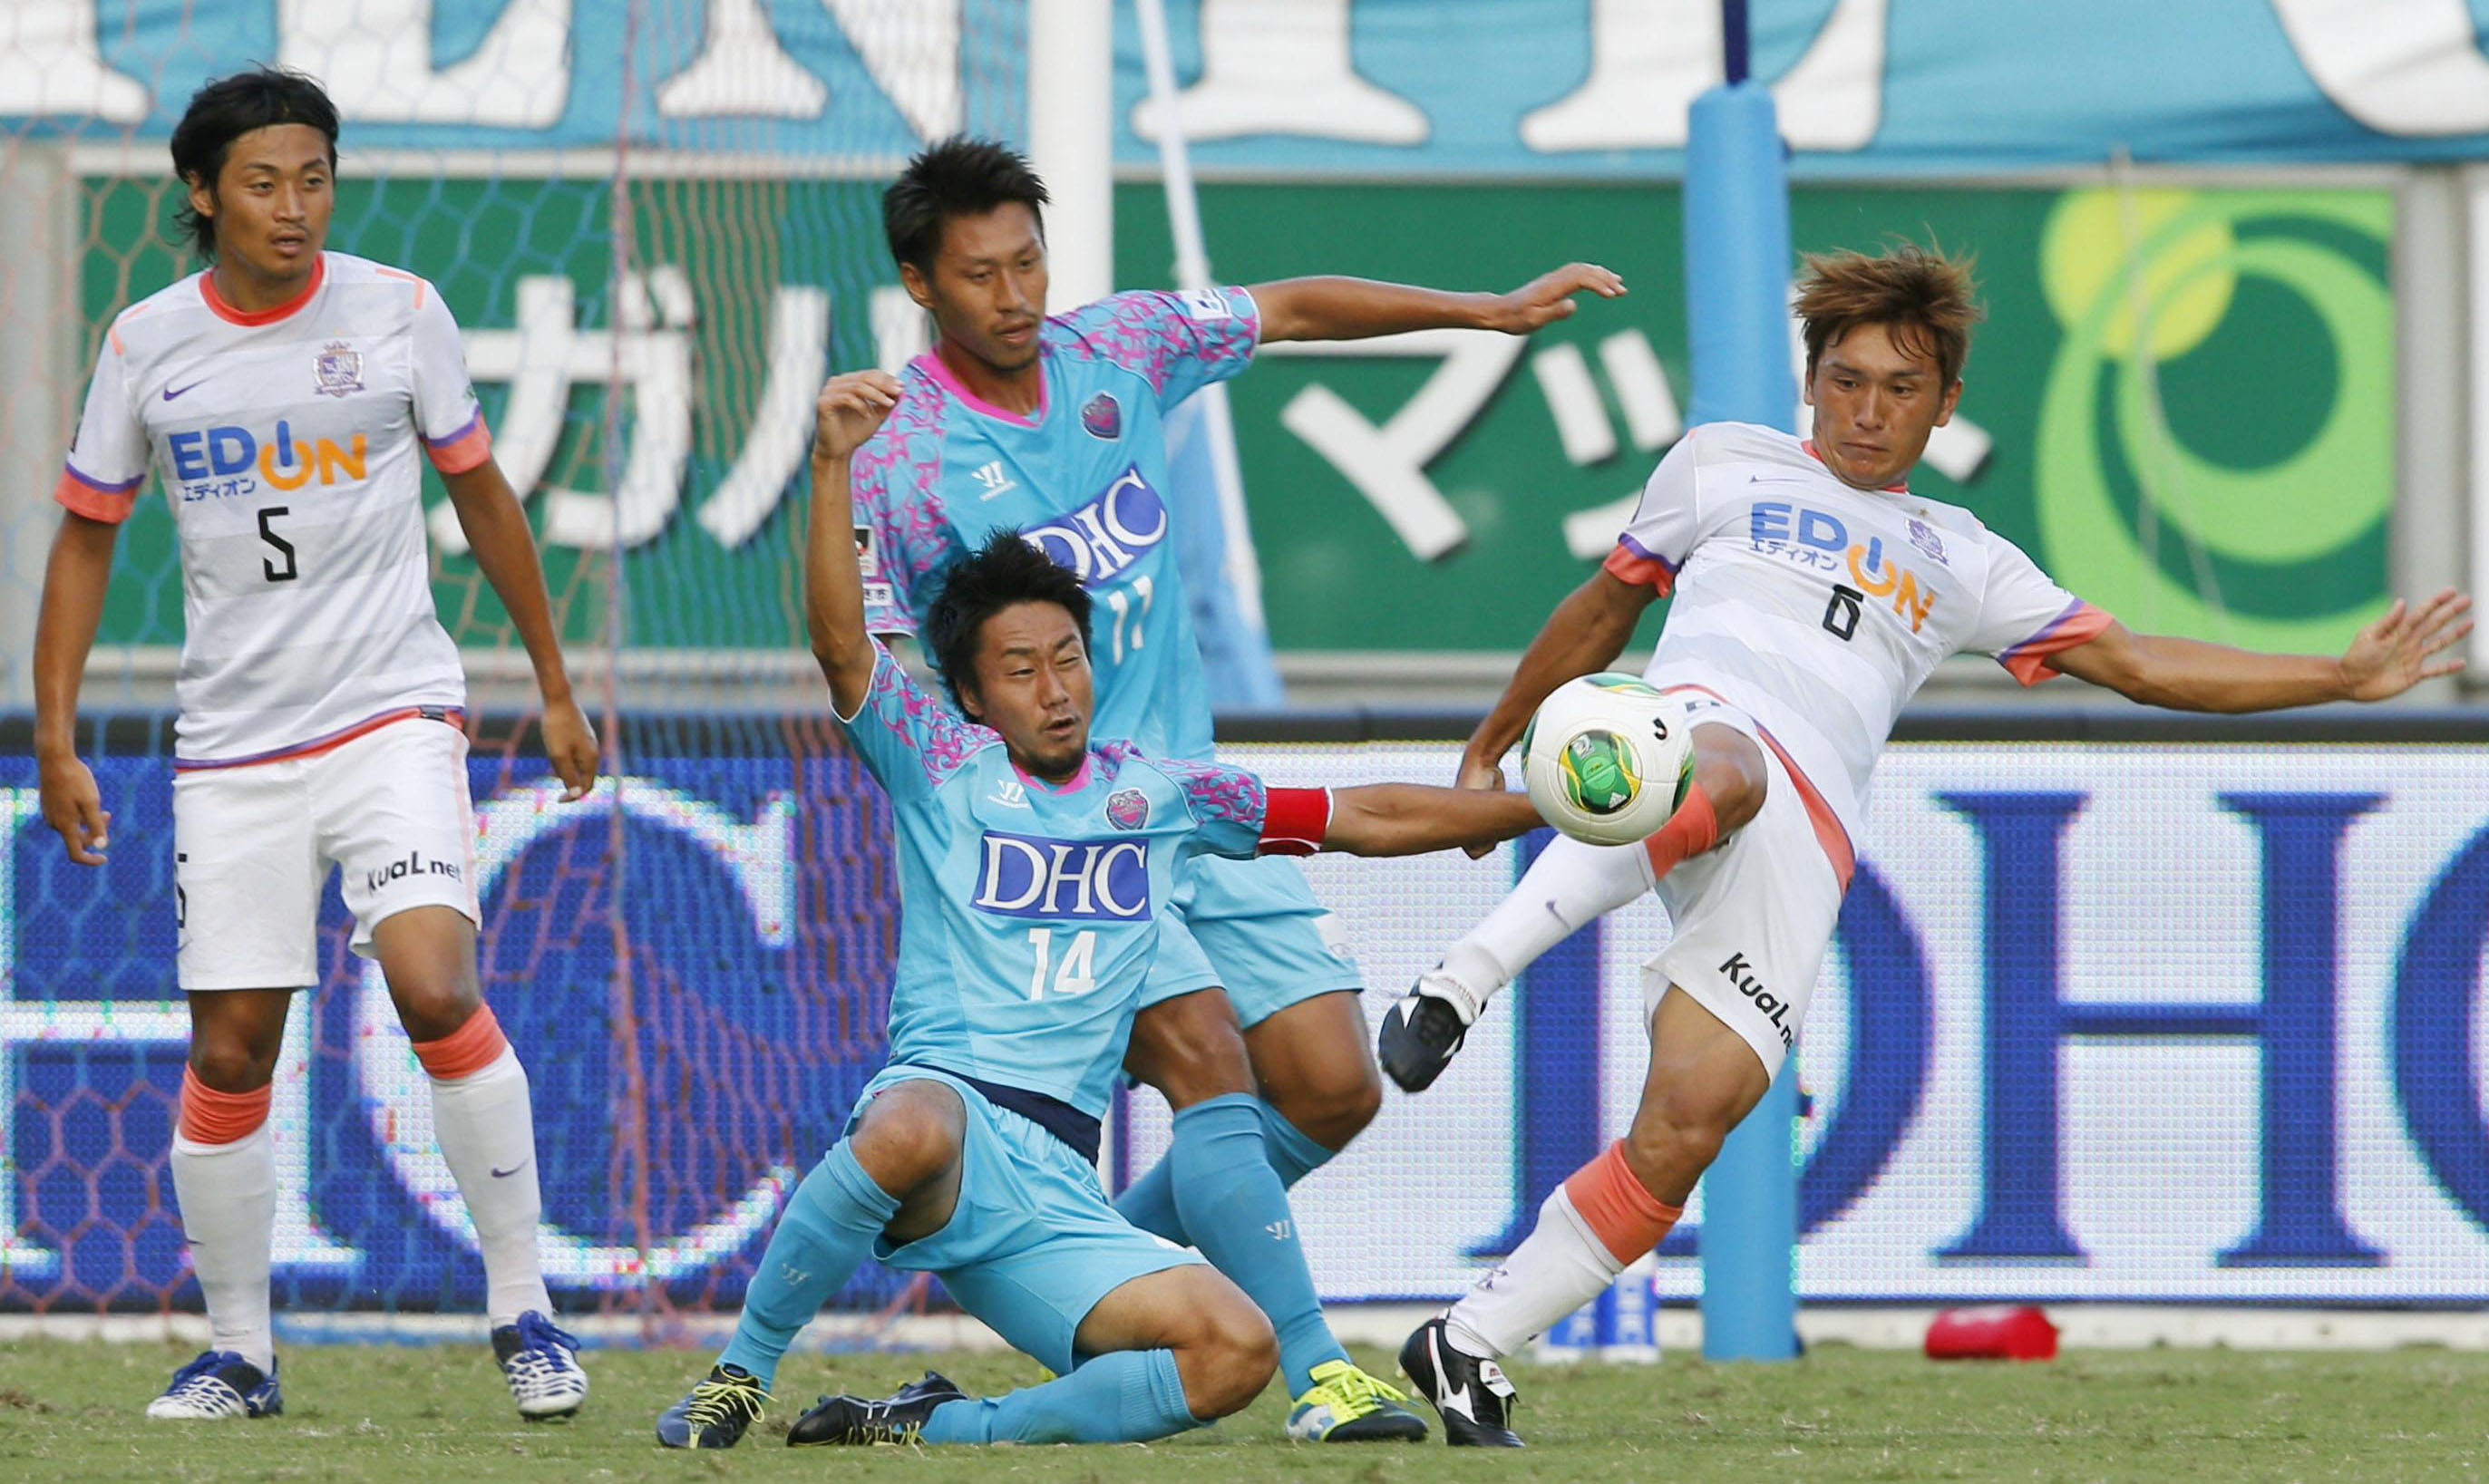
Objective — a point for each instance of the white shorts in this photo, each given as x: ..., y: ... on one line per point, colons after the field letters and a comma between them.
x: 1753, y: 917
x: 253, y: 846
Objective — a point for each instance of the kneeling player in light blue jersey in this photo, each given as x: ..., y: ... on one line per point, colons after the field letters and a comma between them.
x: 1250, y: 1023
x: 1034, y: 864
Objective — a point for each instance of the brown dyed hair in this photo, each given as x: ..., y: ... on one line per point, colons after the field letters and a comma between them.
x: 1928, y: 299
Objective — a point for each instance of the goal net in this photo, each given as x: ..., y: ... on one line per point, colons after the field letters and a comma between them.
x: 658, y: 224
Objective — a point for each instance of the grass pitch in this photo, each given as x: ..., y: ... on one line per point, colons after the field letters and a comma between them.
x: 439, y: 1413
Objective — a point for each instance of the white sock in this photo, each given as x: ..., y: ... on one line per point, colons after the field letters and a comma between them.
x: 1569, y: 886
x: 228, y: 1195
x: 487, y: 1134
x: 1561, y: 1266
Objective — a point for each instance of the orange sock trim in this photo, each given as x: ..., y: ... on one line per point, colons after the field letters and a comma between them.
x: 465, y: 1051
x: 1693, y: 829
x: 212, y: 1117
x: 1627, y: 1217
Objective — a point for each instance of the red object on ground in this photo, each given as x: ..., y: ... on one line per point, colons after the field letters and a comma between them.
x: 2016, y: 1333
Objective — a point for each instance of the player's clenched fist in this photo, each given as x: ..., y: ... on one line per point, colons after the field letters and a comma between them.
x: 72, y: 807
x: 850, y: 407
x: 570, y: 746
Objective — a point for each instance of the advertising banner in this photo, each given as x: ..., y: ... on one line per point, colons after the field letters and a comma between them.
x: 1393, y: 88
x: 2182, y: 403
x: 2137, y: 1022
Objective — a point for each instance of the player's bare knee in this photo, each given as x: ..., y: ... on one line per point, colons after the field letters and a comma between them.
x: 1333, y: 1113
x: 434, y: 1010
x: 1190, y: 1049
x: 231, y: 1062
x: 910, y: 1135
x: 1730, y: 767
x: 1313, y: 1064
x: 1230, y: 1354
x: 1671, y: 1143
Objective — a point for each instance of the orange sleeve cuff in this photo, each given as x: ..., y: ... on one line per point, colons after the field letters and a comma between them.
x: 108, y: 504
x: 1635, y: 567
x: 2079, y: 624
x: 462, y: 450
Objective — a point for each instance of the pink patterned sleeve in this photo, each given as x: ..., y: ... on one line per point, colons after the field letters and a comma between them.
x: 1229, y: 806
x: 910, y: 737
x: 1180, y: 342
x: 902, y: 532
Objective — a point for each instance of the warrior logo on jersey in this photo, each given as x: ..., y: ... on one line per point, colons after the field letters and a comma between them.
x: 1103, y: 538
x: 1102, y: 416
x: 1024, y: 875
x: 1128, y: 809
x: 339, y: 367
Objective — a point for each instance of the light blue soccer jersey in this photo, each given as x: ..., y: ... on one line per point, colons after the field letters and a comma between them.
x: 1083, y: 478
x: 1028, y: 911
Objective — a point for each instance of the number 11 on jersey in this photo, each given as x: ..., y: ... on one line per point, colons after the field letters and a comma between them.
x: 1079, y: 972
x: 1130, y: 613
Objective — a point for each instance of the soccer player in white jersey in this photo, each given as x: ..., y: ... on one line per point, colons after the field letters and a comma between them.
x: 283, y: 396
x: 1814, y: 593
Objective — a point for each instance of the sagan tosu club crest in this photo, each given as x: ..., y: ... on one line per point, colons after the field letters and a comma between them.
x: 1128, y: 809
x: 1925, y: 538
x: 339, y: 368
x: 1102, y: 416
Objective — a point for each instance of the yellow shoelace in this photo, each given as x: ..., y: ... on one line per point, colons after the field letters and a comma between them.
x: 1351, y: 1392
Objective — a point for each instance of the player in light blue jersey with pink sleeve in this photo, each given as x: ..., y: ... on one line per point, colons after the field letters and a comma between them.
x: 1054, y: 427
x: 1034, y: 866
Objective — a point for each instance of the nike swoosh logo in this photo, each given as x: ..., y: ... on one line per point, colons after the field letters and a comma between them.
x: 512, y: 1170
x: 171, y: 392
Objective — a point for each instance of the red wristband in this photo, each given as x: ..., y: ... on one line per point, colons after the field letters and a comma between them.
x: 1295, y: 821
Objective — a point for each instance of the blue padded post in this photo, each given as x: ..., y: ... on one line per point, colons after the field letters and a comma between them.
x: 1737, y: 260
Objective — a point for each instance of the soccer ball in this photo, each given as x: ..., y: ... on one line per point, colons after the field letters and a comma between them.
x: 1608, y: 757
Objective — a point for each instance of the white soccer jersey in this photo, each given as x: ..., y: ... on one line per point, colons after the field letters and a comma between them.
x: 1819, y: 609
x: 287, y: 439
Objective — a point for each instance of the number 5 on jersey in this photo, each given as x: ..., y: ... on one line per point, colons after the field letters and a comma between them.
x: 1079, y: 972
x: 284, y: 548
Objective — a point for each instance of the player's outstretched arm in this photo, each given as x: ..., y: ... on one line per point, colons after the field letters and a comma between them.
x: 1333, y: 309
x: 1583, y: 635
x: 73, y: 604
x: 2386, y: 659
x: 1414, y: 818
x: 505, y: 552
x: 848, y: 411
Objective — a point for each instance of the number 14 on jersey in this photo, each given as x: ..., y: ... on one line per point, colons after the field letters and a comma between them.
x: 1077, y: 974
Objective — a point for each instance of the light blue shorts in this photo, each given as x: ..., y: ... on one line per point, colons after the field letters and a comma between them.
x: 1033, y: 1245
x: 1253, y: 928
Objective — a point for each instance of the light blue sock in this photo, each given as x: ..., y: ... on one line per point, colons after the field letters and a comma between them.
x: 1149, y: 1203
x: 1129, y: 1397
x: 1232, y: 1202
x: 1290, y: 1152
x: 826, y: 1232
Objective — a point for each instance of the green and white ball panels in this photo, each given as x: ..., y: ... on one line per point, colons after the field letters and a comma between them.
x: 1608, y: 757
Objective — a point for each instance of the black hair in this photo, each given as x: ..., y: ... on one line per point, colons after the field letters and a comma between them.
x: 960, y: 177
x: 225, y: 110
x: 1006, y: 570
